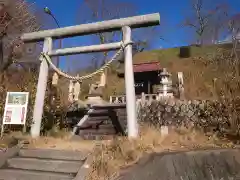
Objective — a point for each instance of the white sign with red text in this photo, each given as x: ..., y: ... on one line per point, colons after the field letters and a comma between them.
x: 16, y: 108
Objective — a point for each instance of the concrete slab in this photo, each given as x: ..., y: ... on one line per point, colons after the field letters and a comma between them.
x: 54, y: 154
x: 38, y: 164
x: 85, y: 169
x: 10, y: 152
x: 45, y: 165
x: 193, y: 165
x: 13, y: 174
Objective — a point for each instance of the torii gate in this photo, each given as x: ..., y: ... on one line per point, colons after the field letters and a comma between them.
x: 124, y: 24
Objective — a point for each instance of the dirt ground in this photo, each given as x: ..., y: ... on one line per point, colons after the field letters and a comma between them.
x: 57, y: 143
x: 7, y: 142
x: 63, y: 143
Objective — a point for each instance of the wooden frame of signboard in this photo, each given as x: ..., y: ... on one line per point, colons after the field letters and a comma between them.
x: 16, y: 105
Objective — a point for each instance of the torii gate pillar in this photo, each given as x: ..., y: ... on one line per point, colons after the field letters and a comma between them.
x: 124, y: 24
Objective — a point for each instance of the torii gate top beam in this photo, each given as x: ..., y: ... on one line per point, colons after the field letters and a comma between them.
x: 97, y: 27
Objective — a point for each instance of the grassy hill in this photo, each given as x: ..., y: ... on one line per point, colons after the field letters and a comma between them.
x: 198, y: 72
x: 166, y: 56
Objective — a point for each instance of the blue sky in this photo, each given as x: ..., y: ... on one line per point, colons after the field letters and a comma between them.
x: 172, y: 14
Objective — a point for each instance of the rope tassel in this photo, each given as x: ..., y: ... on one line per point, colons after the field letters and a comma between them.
x: 55, y: 79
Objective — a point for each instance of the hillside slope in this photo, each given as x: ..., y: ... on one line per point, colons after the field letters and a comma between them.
x: 198, y: 72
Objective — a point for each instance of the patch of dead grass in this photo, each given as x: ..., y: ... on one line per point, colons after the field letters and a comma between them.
x: 62, y: 142
x: 59, y: 143
x: 113, y: 155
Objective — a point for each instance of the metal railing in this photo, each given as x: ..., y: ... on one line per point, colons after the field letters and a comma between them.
x: 145, y: 98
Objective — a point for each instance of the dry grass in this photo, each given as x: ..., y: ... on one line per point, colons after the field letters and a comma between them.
x: 58, y: 143
x: 113, y: 155
x: 199, y: 72
x: 62, y: 142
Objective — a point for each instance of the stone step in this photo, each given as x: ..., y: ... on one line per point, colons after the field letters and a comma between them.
x: 122, y: 115
x: 53, y: 154
x: 57, y: 166
x: 102, y: 126
x: 97, y: 131
x: 90, y: 123
x: 106, y: 126
x: 97, y: 137
x: 122, y: 118
x: 100, y: 118
x: 121, y: 111
x: 16, y: 174
x: 98, y: 113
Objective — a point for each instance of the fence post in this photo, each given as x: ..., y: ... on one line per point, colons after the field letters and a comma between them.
x: 41, y: 90
x: 129, y: 83
x: 181, y: 85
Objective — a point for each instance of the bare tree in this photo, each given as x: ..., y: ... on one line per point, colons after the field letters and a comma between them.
x: 206, y: 19
x: 233, y: 33
x: 15, y: 18
x: 100, y: 10
x: 234, y: 26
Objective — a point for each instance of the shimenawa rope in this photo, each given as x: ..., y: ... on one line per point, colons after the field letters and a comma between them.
x: 81, y: 78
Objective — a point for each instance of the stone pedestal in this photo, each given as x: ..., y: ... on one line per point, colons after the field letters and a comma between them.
x: 91, y: 100
x: 95, y: 95
x: 95, y: 90
x: 180, y: 86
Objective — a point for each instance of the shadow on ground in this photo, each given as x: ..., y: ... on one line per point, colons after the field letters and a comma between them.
x: 221, y: 164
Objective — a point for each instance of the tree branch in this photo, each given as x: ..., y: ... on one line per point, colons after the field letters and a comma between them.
x: 15, y: 19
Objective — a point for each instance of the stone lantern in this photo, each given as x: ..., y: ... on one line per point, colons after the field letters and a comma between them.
x: 165, y: 89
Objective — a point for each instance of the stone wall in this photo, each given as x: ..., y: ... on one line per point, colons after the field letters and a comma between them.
x: 218, y: 116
